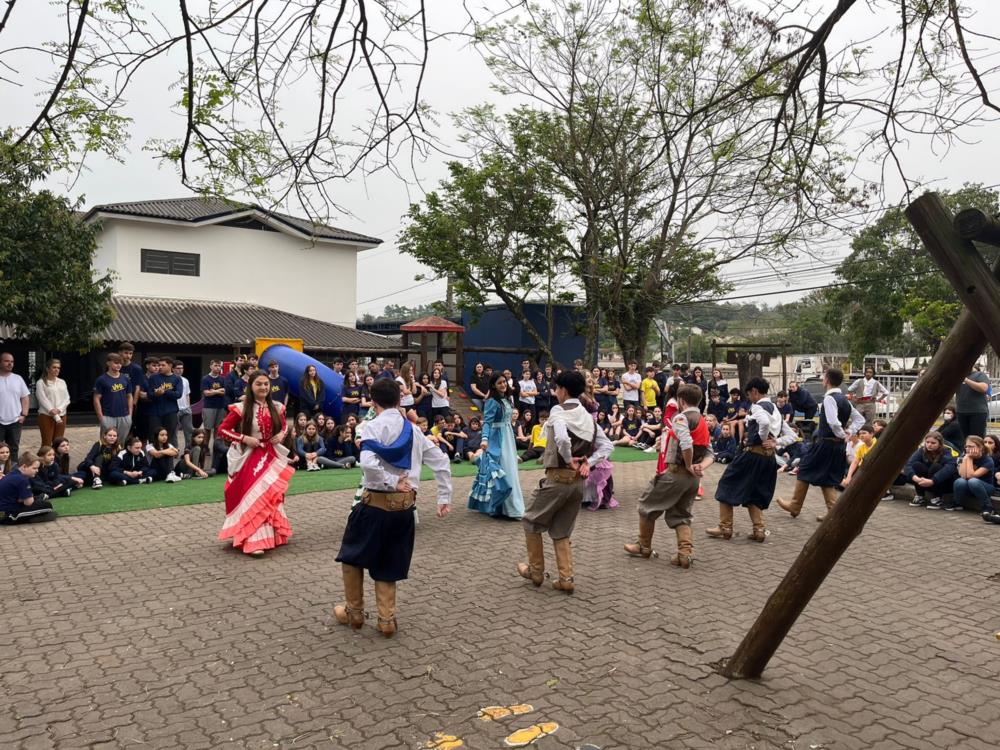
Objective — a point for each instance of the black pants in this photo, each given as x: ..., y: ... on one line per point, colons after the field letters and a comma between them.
x: 972, y: 424
x: 38, y: 512
x: 166, y: 422
x: 11, y: 434
x: 927, y: 471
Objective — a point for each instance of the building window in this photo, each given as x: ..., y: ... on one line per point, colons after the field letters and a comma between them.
x: 178, y: 264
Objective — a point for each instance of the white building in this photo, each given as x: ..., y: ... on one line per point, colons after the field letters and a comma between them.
x: 217, y: 250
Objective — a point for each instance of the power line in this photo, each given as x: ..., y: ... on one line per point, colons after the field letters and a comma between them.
x: 398, y: 291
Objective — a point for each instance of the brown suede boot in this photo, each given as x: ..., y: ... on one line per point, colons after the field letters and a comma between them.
x: 385, y: 598
x: 643, y: 545
x: 685, y: 547
x: 794, y: 506
x: 759, y: 533
x: 534, y: 569
x: 830, y: 496
x: 352, y: 611
x: 725, y: 528
x: 564, y: 562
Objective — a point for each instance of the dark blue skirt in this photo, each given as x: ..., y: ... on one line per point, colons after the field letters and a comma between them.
x: 825, y: 465
x: 748, y: 480
x: 380, y: 541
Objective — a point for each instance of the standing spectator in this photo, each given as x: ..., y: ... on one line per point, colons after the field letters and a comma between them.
x: 113, y: 394
x: 866, y: 392
x: 312, y: 392
x: 143, y: 413
x: 661, y: 378
x: 479, y: 386
x: 631, y: 381
x: 388, y: 370
x: 440, y: 404
x: 698, y: 379
x: 236, y: 385
x: 213, y: 404
x: 165, y: 391
x: 650, y: 389
x: 543, y: 400
x: 52, y: 395
x: 803, y: 401
x: 351, y: 396
x: 972, y: 403
x: 719, y: 383
x: 14, y: 395
x: 527, y: 391
x: 185, y: 421
x: 279, y: 384
x: 132, y: 370
x: 424, y: 398
x: 407, y: 386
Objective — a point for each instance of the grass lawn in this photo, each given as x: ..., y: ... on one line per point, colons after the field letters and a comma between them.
x: 87, y: 502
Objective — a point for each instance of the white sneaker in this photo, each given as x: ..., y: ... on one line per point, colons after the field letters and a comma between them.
x: 650, y: 449
x: 97, y: 484
x: 172, y: 477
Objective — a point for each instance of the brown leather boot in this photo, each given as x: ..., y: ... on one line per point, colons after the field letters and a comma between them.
x: 534, y: 569
x: 385, y: 598
x: 830, y: 496
x: 643, y: 545
x: 794, y: 506
x: 685, y: 547
x: 352, y: 611
x: 564, y: 562
x: 759, y: 533
x: 725, y: 528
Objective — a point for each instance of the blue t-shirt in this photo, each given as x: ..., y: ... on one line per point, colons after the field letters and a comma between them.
x: 14, y: 488
x: 718, y: 410
x: 631, y: 426
x: 114, y: 393
x: 135, y: 373
x: 786, y: 411
x: 279, y: 388
x: 987, y: 463
x: 210, y: 383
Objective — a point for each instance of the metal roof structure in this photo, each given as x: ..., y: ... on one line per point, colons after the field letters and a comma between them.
x: 188, y: 322
x: 197, y: 210
x: 432, y: 324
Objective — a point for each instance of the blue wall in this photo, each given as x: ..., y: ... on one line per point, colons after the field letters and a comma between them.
x: 498, y: 327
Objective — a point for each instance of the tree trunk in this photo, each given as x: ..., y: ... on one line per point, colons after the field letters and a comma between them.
x: 631, y: 335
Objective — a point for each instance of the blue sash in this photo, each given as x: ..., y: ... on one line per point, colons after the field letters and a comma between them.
x: 398, y: 453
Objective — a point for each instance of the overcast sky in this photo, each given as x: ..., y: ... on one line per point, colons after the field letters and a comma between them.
x: 456, y: 77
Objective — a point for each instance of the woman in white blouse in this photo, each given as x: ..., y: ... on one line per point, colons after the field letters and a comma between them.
x: 440, y: 404
x: 52, y: 395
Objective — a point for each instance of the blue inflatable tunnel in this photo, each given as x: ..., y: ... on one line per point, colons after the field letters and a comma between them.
x: 293, y: 364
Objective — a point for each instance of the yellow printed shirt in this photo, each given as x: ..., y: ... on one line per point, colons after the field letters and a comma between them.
x: 650, y: 390
x: 538, y: 437
x: 863, y: 450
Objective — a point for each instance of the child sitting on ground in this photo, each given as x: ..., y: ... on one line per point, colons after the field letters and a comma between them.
x: 18, y: 504
x: 538, y: 441
x: 162, y: 457
x: 341, y: 450
x: 724, y: 448
x: 96, y: 465
x: 474, y: 439
x: 195, y: 457
x: 131, y: 465
x: 49, y: 480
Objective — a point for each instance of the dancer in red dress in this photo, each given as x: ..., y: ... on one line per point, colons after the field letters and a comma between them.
x: 258, y: 471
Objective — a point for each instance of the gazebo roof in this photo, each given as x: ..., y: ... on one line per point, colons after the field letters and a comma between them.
x: 432, y: 324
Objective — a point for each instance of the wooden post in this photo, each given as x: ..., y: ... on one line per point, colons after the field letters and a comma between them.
x: 713, y: 354
x: 784, y: 366
x: 931, y: 393
x: 459, y: 360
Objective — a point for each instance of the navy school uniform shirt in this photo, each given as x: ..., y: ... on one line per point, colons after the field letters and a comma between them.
x: 14, y: 488
x: 279, y: 389
x: 786, y: 411
x: 631, y: 426
x: 114, y: 393
x: 351, y: 391
x: 235, y: 386
x: 335, y: 448
x: 719, y: 410
x: 166, y: 402
x: 474, y: 440
x: 210, y: 383
x: 99, y: 455
x: 987, y: 463
x: 136, y: 374
x: 733, y: 408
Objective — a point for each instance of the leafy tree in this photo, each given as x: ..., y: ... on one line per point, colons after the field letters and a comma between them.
x: 894, y: 287
x: 491, y: 230
x: 47, y: 289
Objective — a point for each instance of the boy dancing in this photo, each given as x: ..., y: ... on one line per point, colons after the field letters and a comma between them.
x: 573, y: 444
x: 380, y: 529
x: 749, y: 480
x: 825, y: 465
x: 672, y: 490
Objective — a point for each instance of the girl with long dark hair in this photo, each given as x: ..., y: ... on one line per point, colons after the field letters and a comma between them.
x: 496, y: 490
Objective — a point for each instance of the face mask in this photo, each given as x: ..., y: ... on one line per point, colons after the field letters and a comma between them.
x: 948, y: 416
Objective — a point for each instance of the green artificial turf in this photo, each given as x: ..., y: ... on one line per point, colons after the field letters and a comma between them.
x: 88, y: 502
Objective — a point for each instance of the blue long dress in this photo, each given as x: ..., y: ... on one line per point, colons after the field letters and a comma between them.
x: 496, y: 490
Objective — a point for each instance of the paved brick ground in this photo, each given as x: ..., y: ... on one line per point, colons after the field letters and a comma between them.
x: 140, y: 630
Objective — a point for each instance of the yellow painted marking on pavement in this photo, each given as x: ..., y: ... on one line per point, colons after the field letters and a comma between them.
x: 495, y: 713
x: 530, y: 735
x: 444, y: 741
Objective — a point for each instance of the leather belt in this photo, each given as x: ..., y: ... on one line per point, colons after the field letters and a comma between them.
x: 760, y: 450
x: 866, y: 399
x: 563, y: 476
x: 391, y: 501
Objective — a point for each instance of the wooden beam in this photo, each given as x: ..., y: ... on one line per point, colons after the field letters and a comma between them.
x: 973, y: 224
x: 931, y: 393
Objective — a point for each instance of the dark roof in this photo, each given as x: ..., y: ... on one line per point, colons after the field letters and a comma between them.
x: 431, y: 324
x: 226, y: 324
x: 196, y: 210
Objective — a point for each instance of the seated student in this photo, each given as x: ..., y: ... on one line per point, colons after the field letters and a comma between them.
x: 97, y: 463
x: 650, y: 430
x: 603, y: 422
x: 294, y: 459
x: 474, y: 439
x: 195, y: 461
x: 538, y: 441
x: 301, y: 420
x: 220, y: 459
x: 131, y: 466
x: 716, y: 405
x: 866, y: 441
x: 879, y: 425
x: 62, y: 448
x: 725, y: 446
x: 162, y: 457
x: 736, y: 412
x: 714, y: 428
x: 786, y: 410
x: 49, y: 480
x: 950, y: 429
x: 931, y: 469
x: 439, y: 437
x: 522, y: 430
x: 341, y: 450
x: 18, y: 503
x: 5, y: 465
x: 789, y: 457
x: 631, y: 424
x: 975, y: 477
x: 329, y: 431
x: 456, y: 434
x: 615, y: 416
